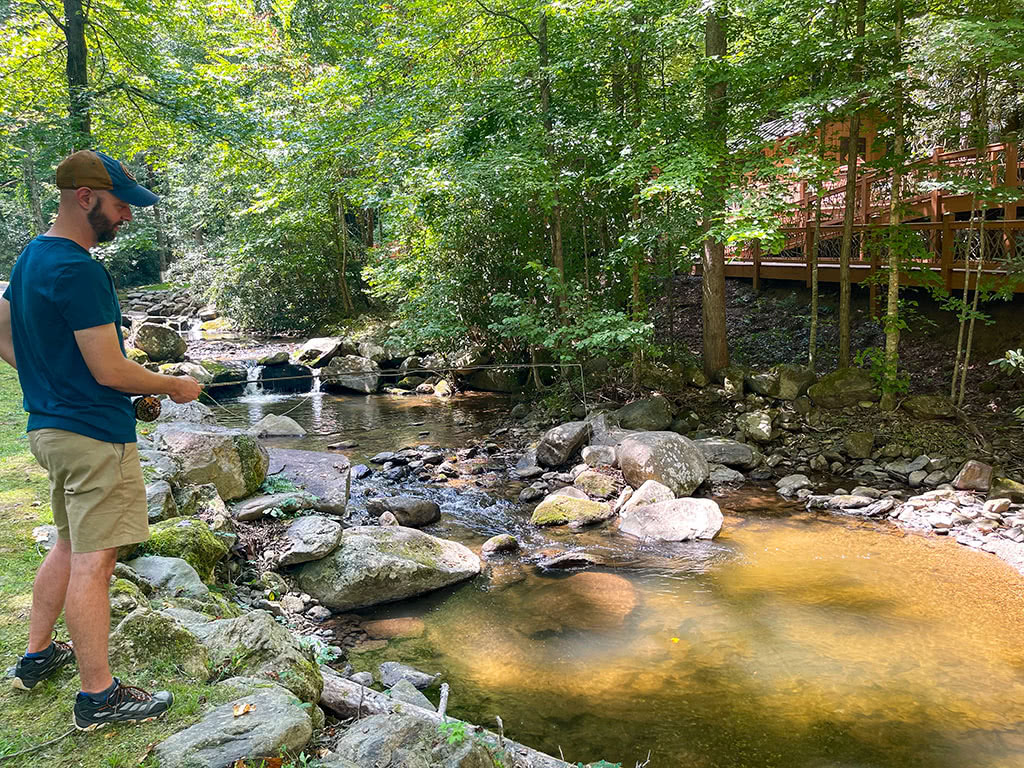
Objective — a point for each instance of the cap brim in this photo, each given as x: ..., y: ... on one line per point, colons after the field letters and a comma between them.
x: 136, y: 195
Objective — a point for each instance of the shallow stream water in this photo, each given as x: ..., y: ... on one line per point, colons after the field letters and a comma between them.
x: 792, y: 639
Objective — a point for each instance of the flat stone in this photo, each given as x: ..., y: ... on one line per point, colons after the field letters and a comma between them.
x: 390, y: 672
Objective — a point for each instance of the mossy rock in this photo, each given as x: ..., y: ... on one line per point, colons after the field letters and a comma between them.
x: 1005, y: 488
x: 214, y: 605
x: 843, y: 388
x: 929, y: 407
x: 148, y: 640
x: 125, y: 597
x: 562, y: 510
x: 188, y: 538
x: 230, y: 378
x: 136, y: 355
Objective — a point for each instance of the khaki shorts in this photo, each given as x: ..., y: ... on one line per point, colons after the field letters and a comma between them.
x: 97, y: 492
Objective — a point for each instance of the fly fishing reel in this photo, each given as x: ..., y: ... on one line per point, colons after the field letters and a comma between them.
x: 147, y: 408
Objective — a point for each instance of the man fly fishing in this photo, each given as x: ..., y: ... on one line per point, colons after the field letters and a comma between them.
x: 60, y: 327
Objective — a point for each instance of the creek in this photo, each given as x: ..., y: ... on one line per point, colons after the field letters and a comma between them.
x: 791, y: 640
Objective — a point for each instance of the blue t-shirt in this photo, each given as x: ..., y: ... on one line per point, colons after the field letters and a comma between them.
x: 57, y: 288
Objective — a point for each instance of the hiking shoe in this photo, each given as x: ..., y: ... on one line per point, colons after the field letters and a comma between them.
x: 28, y: 673
x: 125, y: 704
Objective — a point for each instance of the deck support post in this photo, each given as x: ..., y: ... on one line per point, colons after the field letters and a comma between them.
x: 947, y: 251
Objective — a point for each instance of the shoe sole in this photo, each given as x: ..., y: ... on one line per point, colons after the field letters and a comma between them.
x: 98, y: 726
x: 17, y: 685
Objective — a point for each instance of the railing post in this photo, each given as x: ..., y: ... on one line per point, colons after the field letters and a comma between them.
x: 1012, y: 182
x: 757, y: 266
x: 936, y: 201
x: 947, y: 251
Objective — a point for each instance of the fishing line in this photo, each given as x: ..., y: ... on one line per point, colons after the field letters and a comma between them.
x: 148, y: 408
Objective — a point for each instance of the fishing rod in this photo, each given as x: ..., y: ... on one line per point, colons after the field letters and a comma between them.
x: 148, y: 407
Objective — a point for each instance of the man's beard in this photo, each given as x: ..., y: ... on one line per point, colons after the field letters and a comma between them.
x: 102, y: 226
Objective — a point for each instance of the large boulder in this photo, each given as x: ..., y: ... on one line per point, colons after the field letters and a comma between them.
x: 162, y: 344
x: 233, y: 461
x: 170, y: 575
x: 285, y: 378
x: 273, y: 425
x: 381, y: 564
x: 648, y: 415
x: 561, y: 509
x: 316, y: 353
x: 671, y: 459
x: 405, y: 741
x: 309, y: 538
x: 732, y: 453
x: 413, y: 512
x: 145, y: 638
x: 973, y: 476
x: 843, y: 388
x: 195, y: 370
x: 675, y: 520
x: 229, y: 377
x: 929, y: 407
x: 495, y: 380
x: 187, y: 538
x: 272, y: 722
x: 561, y: 442
x: 785, y: 381
x: 192, y: 412
x: 350, y: 374
x: 254, y: 644
x: 651, y: 492
x: 756, y: 425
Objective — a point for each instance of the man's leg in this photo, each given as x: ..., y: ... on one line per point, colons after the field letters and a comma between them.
x: 48, y: 593
x: 87, y: 613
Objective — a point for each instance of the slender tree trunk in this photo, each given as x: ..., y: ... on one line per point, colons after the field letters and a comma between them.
x: 963, y: 307
x: 892, y: 306
x: 28, y: 172
x: 555, y: 220
x: 974, y: 311
x: 812, y: 346
x: 851, y: 200
x: 716, y: 350
x: 341, y: 237
x: 78, y: 74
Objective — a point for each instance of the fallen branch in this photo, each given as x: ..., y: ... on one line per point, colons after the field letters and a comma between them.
x: 346, y: 699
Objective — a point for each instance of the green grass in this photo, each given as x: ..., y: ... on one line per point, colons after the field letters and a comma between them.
x: 27, y: 719
x: 155, y: 287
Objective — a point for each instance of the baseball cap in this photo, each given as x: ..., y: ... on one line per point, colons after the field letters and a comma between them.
x: 93, y: 169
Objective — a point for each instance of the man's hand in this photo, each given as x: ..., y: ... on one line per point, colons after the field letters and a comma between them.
x: 184, y: 389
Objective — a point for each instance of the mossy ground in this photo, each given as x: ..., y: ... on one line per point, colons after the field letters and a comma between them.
x: 32, y: 718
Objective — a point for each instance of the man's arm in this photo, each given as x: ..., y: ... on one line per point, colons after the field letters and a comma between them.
x: 6, y: 336
x: 102, y: 353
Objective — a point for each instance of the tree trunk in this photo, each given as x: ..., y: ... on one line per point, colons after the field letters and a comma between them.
x: 716, y: 350
x: 892, y: 307
x: 28, y: 171
x: 78, y: 74
x: 555, y: 221
x: 341, y: 234
x: 812, y: 346
x: 851, y: 200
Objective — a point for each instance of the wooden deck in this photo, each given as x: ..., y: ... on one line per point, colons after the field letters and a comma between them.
x: 941, y: 220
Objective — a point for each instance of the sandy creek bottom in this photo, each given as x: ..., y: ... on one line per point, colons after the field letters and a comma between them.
x: 791, y: 640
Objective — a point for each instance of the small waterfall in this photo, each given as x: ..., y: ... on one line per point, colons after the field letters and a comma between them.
x: 252, y: 379
x: 195, y: 330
